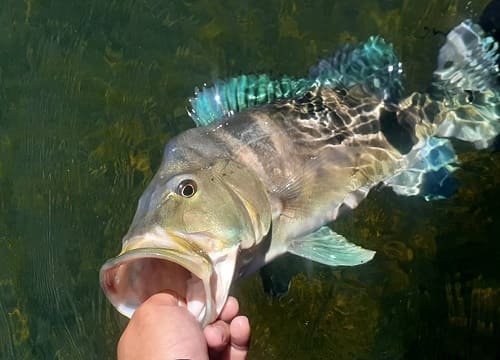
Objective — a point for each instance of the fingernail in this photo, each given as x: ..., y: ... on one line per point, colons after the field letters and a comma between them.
x: 174, y: 298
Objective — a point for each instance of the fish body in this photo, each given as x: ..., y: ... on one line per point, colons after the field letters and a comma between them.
x: 273, y: 161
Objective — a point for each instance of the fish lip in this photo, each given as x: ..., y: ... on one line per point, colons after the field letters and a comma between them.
x: 196, y: 262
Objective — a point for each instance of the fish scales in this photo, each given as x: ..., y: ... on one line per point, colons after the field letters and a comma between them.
x: 272, y: 162
x: 282, y: 146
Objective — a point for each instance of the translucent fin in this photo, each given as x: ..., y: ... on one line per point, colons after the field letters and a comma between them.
x: 466, y: 82
x: 428, y: 172
x: 240, y: 93
x: 372, y: 65
x: 329, y: 248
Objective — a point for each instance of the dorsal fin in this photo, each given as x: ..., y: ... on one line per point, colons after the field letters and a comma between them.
x: 240, y: 93
x: 373, y: 65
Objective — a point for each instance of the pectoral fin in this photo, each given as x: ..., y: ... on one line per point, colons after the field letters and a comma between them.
x: 327, y: 247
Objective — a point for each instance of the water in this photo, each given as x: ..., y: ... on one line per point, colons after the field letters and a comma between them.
x: 90, y: 91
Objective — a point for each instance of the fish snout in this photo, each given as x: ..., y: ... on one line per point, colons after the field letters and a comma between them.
x: 136, y: 274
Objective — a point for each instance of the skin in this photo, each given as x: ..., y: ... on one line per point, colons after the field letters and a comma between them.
x: 161, y: 329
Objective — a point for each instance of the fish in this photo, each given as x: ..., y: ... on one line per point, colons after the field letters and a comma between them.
x: 273, y: 162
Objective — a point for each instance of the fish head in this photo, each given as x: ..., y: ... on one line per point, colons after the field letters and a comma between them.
x: 191, y: 224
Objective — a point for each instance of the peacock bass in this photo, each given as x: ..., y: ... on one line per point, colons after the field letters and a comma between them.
x: 273, y: 161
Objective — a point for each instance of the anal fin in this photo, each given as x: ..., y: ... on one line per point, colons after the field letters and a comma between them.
x: 327, y: 247
x: 429, y: 171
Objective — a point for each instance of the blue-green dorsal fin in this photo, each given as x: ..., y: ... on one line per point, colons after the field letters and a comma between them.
x: 240, y: 93
x: 327, y: 247
x: 372, y: 65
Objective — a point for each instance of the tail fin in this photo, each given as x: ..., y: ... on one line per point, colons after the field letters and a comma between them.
x: 466, y: 82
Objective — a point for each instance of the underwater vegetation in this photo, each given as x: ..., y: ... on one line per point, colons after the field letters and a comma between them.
x: 433, y: 287
x: 90, y: 91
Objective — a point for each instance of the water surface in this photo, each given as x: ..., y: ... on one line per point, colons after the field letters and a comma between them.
x: 90, y: 91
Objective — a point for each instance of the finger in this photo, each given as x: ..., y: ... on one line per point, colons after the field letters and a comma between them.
x: 217, y: 335
x: 240, y: 338
x: 159, y: 328
x: 164, y: 298
x: 230, y: 309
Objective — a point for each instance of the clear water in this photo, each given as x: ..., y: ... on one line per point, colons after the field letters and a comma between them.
x: 90, y: 91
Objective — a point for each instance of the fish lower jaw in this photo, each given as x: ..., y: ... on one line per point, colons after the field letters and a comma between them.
x: 131, y: 282
x: 196, y: 298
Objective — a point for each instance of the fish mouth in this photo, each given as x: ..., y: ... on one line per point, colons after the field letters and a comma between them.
x: 183, y: 269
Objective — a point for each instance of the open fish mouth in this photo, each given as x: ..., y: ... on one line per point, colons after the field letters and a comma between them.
x: 131, y: 278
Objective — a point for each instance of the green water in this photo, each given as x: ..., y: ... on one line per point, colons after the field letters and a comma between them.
x: 90, y: 91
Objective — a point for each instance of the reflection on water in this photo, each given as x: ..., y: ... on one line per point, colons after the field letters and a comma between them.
x: 91, y: 90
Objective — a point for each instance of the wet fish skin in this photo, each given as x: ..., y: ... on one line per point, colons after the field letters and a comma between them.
x: 266, y: 171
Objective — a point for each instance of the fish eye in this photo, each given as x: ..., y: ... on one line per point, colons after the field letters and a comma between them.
x: 186, y: 188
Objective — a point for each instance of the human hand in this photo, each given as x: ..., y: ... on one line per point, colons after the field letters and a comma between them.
x: 160, y: 329
x: 228, y: 338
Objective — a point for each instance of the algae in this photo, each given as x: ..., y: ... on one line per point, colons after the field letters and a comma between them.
x: 90, y: 91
